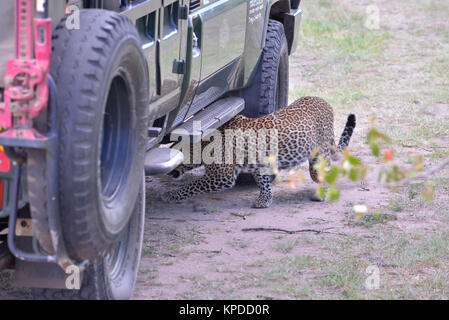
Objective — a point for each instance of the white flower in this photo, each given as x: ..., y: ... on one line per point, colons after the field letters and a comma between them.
x: 360, y: 208
x: 346, y: 165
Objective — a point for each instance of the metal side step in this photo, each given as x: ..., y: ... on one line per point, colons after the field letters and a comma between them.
x: 162, y: 160
x: 213, y: 117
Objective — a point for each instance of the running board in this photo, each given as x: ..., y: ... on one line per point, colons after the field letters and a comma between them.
x: 212, y: 117
x: 162, y: 160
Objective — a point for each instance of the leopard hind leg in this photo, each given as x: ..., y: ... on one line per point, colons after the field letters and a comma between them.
x: 265, y: 197
x: 314, y: 173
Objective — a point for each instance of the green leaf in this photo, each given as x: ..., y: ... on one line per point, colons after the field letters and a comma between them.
x: 332, y: 175
x: 353, y: 174
x: 333, y: 194
x: 354, y: 161
x: 398, y: 174
x: 373, y: 134
x: 374, y: 148
x: 379, y: 176
x: 321, y: 191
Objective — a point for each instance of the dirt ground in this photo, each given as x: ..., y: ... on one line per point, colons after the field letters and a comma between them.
x: 398, y: 74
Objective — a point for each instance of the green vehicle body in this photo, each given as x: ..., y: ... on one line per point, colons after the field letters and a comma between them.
x: 197, y: 51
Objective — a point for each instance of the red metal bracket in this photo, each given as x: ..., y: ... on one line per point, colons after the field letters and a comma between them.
x: 26, y: 79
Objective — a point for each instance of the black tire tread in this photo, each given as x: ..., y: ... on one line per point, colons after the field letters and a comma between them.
x: 37, y: 194
x: 274, y: 40
x: 260, y: 96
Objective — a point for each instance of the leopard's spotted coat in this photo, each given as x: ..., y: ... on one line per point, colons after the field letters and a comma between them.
x: 304, y: 127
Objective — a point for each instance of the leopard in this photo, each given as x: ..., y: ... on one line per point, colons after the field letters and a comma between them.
x: 305, y: 131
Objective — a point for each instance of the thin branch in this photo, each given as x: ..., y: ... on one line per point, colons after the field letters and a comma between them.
x: 425, y: 148
x: 426, y: 174
x: 310, y: 218
x: 214, y: 251
x: 182, y: 220
x: 239, y: 215
x: 292, y: 231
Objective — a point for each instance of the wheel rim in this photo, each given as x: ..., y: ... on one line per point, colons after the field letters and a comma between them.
x: 116, y: 140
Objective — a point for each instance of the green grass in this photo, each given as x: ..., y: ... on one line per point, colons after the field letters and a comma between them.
x: 368, y: 220
x: 286, y: 246
x: 240, y: 244
x: 438, y: 68
x: 170, y: 241
x: 345, y: 277
x: 438, y: 153
x: 420, y: 251
x: 412, y: 265
x: 396, y: 205
x: 331, y: 26
x: 352, y: 64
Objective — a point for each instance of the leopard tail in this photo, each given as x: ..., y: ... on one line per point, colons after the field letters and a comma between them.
x: 347, y: 133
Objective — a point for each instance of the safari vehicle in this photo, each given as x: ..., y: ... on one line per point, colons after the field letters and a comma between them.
x: 90, y: 90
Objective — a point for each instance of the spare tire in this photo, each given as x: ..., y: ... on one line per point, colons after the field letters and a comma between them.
x: 102, y: 92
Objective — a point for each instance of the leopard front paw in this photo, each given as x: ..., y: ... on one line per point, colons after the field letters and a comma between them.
x: 262, y: 202
x: 315, y: 198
